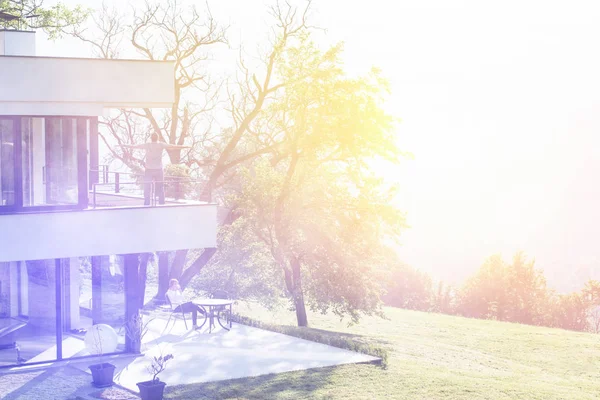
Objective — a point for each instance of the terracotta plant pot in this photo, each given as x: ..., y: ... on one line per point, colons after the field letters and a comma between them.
x: 102, y: 374
x: 150, y: 390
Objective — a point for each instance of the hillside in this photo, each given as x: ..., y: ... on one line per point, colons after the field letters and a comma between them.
x: 434, y: 356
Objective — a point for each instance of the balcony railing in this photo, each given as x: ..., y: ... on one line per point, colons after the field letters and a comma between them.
x: 114, y: 189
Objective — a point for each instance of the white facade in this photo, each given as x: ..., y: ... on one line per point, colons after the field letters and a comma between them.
x: 38, y: 236
x: 34, y: 90
x: 68, y: 264
x: 66, y: 86
x: 17, y: 43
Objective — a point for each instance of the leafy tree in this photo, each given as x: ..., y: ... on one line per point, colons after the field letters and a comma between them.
x: 526, y: 291
x: 409, y: 288
x: 443, y: 299
x: 31, y: 14
x: 591, y: 290
x: 484, y: 294
x: 513, y: 292
x: 326, y: 242
x: 316, y: 205
x: 570, y: 311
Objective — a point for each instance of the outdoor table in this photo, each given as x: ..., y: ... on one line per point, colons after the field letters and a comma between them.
x: 212, y: 308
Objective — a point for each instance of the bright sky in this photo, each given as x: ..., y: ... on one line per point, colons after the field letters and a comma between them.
x: 499, y: 105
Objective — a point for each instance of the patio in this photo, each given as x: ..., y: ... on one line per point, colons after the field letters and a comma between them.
x: 199, y: 357
x: 244, y: 351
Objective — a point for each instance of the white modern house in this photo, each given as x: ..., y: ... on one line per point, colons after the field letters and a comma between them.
x: 65, y: 264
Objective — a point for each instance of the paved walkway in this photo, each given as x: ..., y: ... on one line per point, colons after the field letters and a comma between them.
x: 199, y: 357
x: 56, y: 383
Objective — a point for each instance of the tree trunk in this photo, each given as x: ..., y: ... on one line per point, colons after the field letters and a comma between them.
x: 206, y: 255
x: 300, y: 310
x: 174, y: 156
x: 298, y: 293
x: 177, y: 264
x: 196, y: 266
x: 163, y: 275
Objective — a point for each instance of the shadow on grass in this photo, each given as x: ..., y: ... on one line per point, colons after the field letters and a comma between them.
x: 289, y: 385
x: 350, y: 336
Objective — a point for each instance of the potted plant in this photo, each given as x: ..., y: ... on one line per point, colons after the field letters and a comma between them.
x: 154, y: 388
x: 102, y: 373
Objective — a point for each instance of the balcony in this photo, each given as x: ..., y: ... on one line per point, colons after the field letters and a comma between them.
x: 115, y: 222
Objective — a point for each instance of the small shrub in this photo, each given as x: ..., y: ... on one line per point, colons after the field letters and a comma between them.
x: 158, y: 365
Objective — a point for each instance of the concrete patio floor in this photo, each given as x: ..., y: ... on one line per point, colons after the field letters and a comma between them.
x: 200, y: 356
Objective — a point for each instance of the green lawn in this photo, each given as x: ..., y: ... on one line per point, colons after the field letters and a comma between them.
x: 432, y: 356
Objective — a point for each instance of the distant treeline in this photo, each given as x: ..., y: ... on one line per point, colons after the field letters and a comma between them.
x: 515, y: 292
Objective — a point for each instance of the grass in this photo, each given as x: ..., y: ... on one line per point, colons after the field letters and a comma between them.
x: 430, y: 356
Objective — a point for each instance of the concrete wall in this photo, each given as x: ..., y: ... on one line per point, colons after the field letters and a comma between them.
x: 73, y: 86
x: 17, y: 43
x: 107, y: 231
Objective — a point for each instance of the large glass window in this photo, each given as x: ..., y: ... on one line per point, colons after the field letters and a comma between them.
x: 94, y: 294
x: 90, y: 291
x: 49, y: 161
x: 27, y: 312
x: 7, y: 162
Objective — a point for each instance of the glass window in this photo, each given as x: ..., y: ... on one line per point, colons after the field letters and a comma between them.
x: 91, y: 292
x: 49, y: 161
x: 94, y: 295
x: 27, y: 312
x: 7, y: 163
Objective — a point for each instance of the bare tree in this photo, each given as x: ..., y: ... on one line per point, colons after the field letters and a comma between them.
x: 167, y: 31
x: 253, y: 91
x: 160, y: 31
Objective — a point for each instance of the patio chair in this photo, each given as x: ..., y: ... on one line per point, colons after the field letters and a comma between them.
x: 174, y: 314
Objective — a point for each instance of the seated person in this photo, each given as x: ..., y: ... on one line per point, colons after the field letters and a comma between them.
x: 181, y: 304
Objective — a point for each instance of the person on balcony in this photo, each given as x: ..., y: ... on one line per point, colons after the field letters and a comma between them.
x: 180, y: 304
x: 154, y: 168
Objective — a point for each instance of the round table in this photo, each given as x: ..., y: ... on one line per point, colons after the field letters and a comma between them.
x: 215, y: 308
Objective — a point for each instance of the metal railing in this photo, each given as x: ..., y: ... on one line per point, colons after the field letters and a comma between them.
x: 125, y: 188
